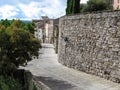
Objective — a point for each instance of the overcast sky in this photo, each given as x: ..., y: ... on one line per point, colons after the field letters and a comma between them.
x: 32, y: 9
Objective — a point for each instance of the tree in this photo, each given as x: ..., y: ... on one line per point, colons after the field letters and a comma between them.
x: 5, y: 22
x: 77, y: 6
x: 69, y: 5
x: 18, y: 24
x: 17, y: 46
x: 4, y: 52
x: 73, y: 7
x: 97, y: 5
x: 82, y: 8
x: 109, y: 5
x: 30, y: 27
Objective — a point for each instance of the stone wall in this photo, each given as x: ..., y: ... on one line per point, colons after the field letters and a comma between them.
x: 56, y: 34
x: 91, y: 43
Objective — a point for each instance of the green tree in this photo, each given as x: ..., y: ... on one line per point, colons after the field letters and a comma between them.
x: 17, y: 46
x: 5, y: 66
x: 5, y: 22
x: 18, y: 24
x: 82, y: 7
x: 30, y: 27
x: 23, y: 47
x: 9, y: 83
x: 97, y: 5
x: 109, y: 5
x: 77, y: 6
x: 73, y: 7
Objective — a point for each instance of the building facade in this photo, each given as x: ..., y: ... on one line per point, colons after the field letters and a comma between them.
x: 44, y: 29
x: 115, y: 4
x: 39, y: 29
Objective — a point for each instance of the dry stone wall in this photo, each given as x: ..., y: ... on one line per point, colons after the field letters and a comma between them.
x: 91, y: 43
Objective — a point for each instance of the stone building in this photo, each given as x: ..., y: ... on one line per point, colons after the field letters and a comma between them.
x: 44, y: 29
x: 115, y: 4
x: 47, y: 30
x: 39, y: 29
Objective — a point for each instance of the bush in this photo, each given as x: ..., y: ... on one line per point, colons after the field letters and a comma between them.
x: 7, y: 68
x: 9, y: 83
x: 95, y: 5
x: 34, y: 87
x: 17, y: 45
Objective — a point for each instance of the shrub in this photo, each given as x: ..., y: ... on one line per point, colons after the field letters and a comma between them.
x: 17, y: 45
x: 9, y: 83
x: 34, y: 87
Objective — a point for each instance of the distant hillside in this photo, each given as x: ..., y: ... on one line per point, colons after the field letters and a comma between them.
x: 26, y: 21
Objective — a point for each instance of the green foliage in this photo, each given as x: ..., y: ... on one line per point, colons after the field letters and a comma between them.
x: 7, y: 68
x: 77, y: 6
x: 73, y: 7
x: 17, y: 46
x: 96, y: 5
x: 18, y: 24
x: 5, y: 22
x: 82, y: 8
x: 30, y: 27
x: 34, y: 87
x: 9, y: 83
x: 69, y: 5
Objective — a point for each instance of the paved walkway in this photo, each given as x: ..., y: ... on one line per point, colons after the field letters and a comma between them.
x: 58, y: 77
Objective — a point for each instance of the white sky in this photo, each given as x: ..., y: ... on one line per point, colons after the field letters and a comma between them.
x: 32, y: 9
x: 84, y: 1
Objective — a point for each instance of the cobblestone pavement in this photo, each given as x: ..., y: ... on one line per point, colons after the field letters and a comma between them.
x: 58, y: 77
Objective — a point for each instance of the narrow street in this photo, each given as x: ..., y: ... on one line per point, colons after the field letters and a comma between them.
x: 58, y: 77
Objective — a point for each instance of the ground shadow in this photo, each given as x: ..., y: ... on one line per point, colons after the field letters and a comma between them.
x: 55, y: 84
